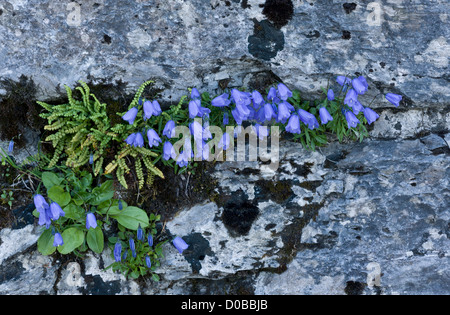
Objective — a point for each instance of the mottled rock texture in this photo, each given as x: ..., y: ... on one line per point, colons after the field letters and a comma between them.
x: 353, y: 218
x: 401, y: 46
x: 360, y: 218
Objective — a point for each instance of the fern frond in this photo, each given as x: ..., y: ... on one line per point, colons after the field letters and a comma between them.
x: 152, y: 168
x: 138, y: 94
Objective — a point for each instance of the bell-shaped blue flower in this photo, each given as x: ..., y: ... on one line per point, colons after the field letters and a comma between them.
x: 237, y: 116
x: 343, y: 80
x: 118, y: 251
x: 183, y: 159
x: 257, y: 99
x: 180, y: 244
x: 168, y: 151
x: 148, y: 261
x: 330, y: 95
x: 150, y: 240
x: 370, y: 115
x: 58, y: 240
x: 308, y: 119
x: 352, y: 121
x: 130, y: 115
x: 130, y: 139
x: 283, y: 112
x: 272, y: 95
x: 269, y: 113
x: 224, y: 142
x: 284, y: 92
x: 138, y: 140
x: 351, y: 97
x: 40, y: 203
x: 394, y: 99
x: 169, y: 129
x: 194, y: 108
x: 221, y: 100
x: 196, y: 130
x: 225, y: 120
x: 324, y: 115
x: 153, y: 138
x: 91, y: 221
x: 11, y: 146
x: 195, y: 94
x: 359, y: 86
x: 357, y: 107
x: 56, y: 211
x: 140, y: 233
x: 293, y: 125
x: 132, y: 247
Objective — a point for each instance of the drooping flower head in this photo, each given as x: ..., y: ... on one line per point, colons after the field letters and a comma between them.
x: 132, y: 247
x: 359, y: 85
x: 330, y: 95
x: 148, y: 261
x: 169, y: 129
x: 56, y: 211
x: 269, y: 113
x: 221, y: 100
x: 351, y: 97
x: 11, y: 146
x: 224, y: 141
x: 130, y: 115
x: 195, y: 94
x: 168, y: 151
x: 308, y: 119
x: 138, y: 140
x: 140, y: 233
x: 324, y: 115
x: 130, y: 139
x: 284, y: 92
x: 394, y: 99
x: 293, y: 125
x: 352, y: 121
x: 225, y: 120
x: 257, y: 99
x: 283, y: 112
x: 180, y: 244
x: 343, y: 80
x: 58, y: 240
x: 153, y: 138
x: 370, y: 115
x: 150, y: 240
x: 91, y: 221
x: 40, y: 203
x: 118, y: 251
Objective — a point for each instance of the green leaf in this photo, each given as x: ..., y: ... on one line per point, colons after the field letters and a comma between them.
x: 95, y: 239
x: 73, y: 211
x: 102, y: 193
x: 59, y: 195
x: 45, y: 243
x: 155, y: 277
x: 132, y: 217
x: 50, y: 179
x: 73, y: 238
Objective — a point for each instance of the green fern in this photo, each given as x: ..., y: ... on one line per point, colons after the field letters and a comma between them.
x: 82, y: 127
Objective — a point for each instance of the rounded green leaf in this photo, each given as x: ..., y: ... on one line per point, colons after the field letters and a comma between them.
x: 50, y: 179
x: 45, y: 243
x: 95, y: 239
x: 73, y: 238
x: 73, y: 211
x: 132, y: 217
x: 59, y: 195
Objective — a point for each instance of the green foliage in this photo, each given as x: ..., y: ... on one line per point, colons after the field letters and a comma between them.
x: 134, y: 265
x: 82, y: 128
x: 78, y: 195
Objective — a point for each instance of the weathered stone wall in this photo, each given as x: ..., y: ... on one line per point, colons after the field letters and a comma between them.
x: 358, y: 218
x: 400, y: 46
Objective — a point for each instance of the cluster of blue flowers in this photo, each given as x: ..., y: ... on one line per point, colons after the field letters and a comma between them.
x: 52, y: 212
x: 178, y: 242
x: 252, y: 107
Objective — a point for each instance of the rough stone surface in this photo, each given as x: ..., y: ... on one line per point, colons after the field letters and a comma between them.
x: 358, y: 218
x: 401, y: 46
